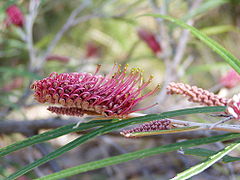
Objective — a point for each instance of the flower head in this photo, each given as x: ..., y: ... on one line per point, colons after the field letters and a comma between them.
x: 115, y: 94
x: 233, y: 106
x: 15, y: 16
x: 231, y: 79
x: 150, y: 39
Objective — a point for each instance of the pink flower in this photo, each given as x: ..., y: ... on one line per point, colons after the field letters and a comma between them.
x: 115, y: 94
x: 233, y: 106
x: 150, y: 39
x: 231, y: 79
x: 15, y: 16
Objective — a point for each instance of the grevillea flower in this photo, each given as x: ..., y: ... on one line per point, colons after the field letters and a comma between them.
x: 196, y: 94
x: 233, y: 106
x: 15, y: 16
x: 150, y: 39
x: 157, y: 125
x: 115, y: 94
x: 231, y: 79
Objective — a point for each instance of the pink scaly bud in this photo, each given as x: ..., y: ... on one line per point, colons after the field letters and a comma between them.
x: 115, y: 94
x: 15, y: 16
x: 150, y: 39
x: 157, y: 125
x: 231, y: 79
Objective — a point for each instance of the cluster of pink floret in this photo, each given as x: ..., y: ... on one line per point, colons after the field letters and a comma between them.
x: 115, y: 94
x: 157, y: 125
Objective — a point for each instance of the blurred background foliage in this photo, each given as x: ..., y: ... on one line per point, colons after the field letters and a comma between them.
x: 112, y: 36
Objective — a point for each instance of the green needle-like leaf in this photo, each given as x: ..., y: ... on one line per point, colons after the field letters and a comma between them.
x: 206, y: 153
x: 134, y: 155
x: 50, y: 135
x: 206, y: 164
x: 111, y: 127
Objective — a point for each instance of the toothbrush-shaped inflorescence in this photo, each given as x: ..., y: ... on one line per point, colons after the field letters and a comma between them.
x: 195, y: 94
x: 115, y: 94
x: 157, y: 125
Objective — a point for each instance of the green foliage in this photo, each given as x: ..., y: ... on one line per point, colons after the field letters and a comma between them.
x: 137, y: 155
x: 102, y: 130
x: 206, y: 164
x: 207, y: 153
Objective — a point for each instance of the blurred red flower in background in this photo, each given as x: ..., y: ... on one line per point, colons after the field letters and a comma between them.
x: 14, y: 16
x: 92, y: 50
x: 54, y: 57
x: 150, y: 39
x: 231, y: 79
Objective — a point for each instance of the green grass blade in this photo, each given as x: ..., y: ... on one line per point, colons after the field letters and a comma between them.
x: 206, y: 164
x: 206, y: 153
x: 108, y: 128
x: 49, y: 135
x: 226, y: 55
x: 135, y: 155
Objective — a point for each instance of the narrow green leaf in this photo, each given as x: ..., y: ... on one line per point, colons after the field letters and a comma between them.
x: 69, y: 128
x: 132, y: 156
x: 226, y: 55
x: 206, y: 153
x: 49, y: 135
x: 108, y: 128
x: 206, y: 164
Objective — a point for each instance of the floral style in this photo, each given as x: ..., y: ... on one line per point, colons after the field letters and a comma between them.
x: 115, y: 94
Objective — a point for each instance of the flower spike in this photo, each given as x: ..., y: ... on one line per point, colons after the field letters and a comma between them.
x: 195, y: 94
x: 115, y: 94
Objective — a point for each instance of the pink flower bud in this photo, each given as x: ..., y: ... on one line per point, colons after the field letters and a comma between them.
x: 157, y: 125
x: 150, y: 39
x: 233, y: 106
x: 92, y: 50
x: 15, y: 16
x: 115, y: 94
x: 231, y: 79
